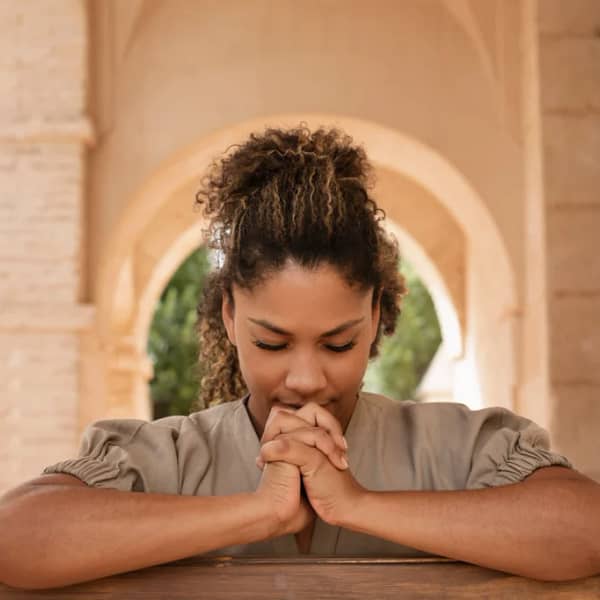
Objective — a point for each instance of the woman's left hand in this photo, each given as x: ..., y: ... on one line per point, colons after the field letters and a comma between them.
x: 331, y: 490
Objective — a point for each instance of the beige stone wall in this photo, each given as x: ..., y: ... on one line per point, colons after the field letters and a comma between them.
x: 168, y: 76
x: 43, y: 132
x: 570, y: 97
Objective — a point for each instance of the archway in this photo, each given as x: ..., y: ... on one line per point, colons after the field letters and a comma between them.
x: 156, y: 232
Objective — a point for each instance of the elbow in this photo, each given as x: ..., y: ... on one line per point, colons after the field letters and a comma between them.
x: 17, y: 585
x: 20, y: 574
x: 28, y: 577
x: 32, y: 577
x: 16, y: 571
x: 584, y: 564
x: 29, y: 584
x: 580, y: 569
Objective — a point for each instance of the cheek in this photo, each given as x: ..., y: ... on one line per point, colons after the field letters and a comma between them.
x: 345, y: 371
x: 348, y: 371
x: 260, y: 370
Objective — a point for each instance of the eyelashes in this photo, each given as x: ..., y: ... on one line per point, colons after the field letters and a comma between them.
x: 343, y: 348
x: 275, y: 348
x: 264, y: 346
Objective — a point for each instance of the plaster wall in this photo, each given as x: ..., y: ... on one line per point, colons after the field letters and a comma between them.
x: 174, y: 72
x: 570, y: 113
x: 43, y: 137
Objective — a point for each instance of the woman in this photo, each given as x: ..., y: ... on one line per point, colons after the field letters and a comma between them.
x: 292, y: 456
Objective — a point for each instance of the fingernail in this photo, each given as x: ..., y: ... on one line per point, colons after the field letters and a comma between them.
x: 345, y: 442
x: 259, y: 463
x: 344, y: 462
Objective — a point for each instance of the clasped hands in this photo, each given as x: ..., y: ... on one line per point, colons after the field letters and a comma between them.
x: 306, y: 446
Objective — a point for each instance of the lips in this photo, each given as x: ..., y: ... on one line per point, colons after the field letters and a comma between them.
x: 296, y: 406
x: 287, y: 405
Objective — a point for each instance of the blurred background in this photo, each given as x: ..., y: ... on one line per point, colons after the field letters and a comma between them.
x: 481, y: 117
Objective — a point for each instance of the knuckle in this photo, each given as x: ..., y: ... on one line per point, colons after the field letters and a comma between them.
x: 274, y: 448
x: 283, y: 444
x: 323, y: 436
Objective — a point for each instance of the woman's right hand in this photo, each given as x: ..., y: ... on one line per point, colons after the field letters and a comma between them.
x: 280, y: 487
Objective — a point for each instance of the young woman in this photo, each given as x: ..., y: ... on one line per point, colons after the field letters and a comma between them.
x: 292, y: 456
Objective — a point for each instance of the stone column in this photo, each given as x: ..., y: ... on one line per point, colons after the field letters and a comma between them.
x: 43, y: 136
x: 570, y: 105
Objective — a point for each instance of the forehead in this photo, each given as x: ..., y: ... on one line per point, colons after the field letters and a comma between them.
x: 299, y: 296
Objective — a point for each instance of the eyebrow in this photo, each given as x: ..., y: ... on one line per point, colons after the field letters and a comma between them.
x: 329, y: 333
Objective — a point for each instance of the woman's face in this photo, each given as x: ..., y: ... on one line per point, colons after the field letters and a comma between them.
x: 302, y: 335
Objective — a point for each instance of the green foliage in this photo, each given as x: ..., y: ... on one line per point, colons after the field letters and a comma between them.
x: 172, y: 343
x: 173, y: 347
x: 405, y: 356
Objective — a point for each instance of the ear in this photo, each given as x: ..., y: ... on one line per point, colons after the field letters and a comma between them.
x: 227, y: 314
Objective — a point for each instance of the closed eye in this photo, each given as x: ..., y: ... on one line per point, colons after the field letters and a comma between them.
x: 264, y: 346
x: 275, y: 348
x: 343, y: 348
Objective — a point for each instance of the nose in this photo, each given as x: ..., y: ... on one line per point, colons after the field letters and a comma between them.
x: 305, y: 375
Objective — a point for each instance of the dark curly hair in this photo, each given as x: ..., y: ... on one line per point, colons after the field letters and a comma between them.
x: 289, y: 194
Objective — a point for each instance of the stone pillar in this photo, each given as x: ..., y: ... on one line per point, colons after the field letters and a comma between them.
x: 43, y: 136
x: 128, y: 373
x: 570, y: 105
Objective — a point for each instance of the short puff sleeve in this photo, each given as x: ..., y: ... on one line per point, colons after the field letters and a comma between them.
x: 508, y: 448
x: 168, y: 456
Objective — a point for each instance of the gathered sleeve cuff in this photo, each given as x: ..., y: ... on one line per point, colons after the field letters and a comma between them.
x: 511, y: 452
x: 137, y: 455
x: 103, y: 460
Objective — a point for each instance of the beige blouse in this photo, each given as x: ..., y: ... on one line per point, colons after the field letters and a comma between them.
x: 392, y: 446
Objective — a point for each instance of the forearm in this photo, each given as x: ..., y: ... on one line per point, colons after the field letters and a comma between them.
x: 60, y: 535
x: 544, y: 530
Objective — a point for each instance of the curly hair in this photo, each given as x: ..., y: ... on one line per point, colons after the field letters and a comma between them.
x: 289, y: 194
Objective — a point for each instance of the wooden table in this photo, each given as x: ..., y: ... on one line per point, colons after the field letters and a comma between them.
x: 319, y: 578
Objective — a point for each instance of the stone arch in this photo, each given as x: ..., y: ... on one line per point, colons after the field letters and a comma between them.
x: 434, y: 281
x: 155, y: 233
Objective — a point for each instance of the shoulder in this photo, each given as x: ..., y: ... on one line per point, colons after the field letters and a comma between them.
x: 442, y: 411
x: 432, y: 414
x: 211, y: 418
x: 195, y: 428
x: 199, y: 422
x: 464, y: 447
x: 447, y: 427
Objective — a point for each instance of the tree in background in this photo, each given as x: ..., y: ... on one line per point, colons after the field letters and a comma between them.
x: 405, y: 356
x: 172, y: 343
x: 173, y: 347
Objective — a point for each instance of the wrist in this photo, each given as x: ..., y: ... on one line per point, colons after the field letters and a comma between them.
x: 270, y: 522
x: 355, y: 513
